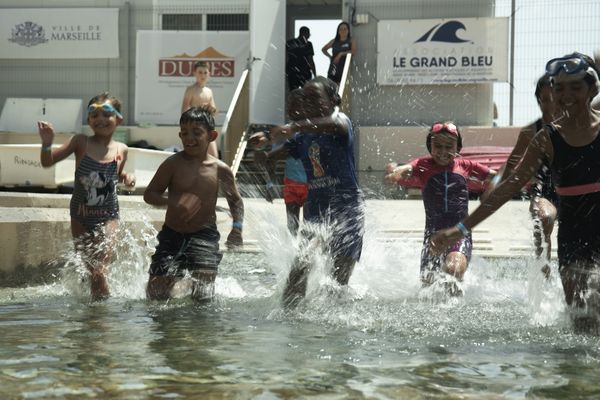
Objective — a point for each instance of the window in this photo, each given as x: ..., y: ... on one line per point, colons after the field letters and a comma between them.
x: 227, y: 22
x: 182, y: 22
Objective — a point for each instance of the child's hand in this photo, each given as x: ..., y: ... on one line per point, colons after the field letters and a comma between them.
x: 129, y: 180
x: 234, y: 239
x: 258, y: 140
x: 270, y: 192
x: 46, y: 131
x: 389, y: 168
x: 443, y: 239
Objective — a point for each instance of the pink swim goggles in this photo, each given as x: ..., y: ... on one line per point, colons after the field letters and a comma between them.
x: 447, y: 127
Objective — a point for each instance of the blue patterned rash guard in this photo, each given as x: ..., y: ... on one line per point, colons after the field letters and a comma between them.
x: 333, y: 193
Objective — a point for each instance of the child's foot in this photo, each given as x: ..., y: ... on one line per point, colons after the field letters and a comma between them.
x: 453, y: 289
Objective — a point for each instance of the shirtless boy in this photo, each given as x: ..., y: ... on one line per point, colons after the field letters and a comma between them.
x: 189, y: 240
x: 199, y: 95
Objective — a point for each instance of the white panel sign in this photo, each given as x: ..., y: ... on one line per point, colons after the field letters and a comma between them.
x: 59, y: 33
x: 165, y: 65
x: 442, y: 51
x: 267, y: 80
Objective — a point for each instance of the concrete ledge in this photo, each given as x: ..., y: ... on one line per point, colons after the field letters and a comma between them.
x: 35, y: 229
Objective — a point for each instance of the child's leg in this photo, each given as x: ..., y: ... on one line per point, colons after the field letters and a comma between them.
x: 342, y: 269
x: 456, y: 264
x: 159, y: 287
x: 295, y: 288
x: 97, y: 249
x: 203, y: 288
x: 544, y: 214
x: 293, y: 217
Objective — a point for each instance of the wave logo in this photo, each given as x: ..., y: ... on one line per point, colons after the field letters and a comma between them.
x: 445, y: 33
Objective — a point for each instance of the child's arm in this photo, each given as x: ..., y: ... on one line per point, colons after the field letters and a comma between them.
x: 187, y: 100
x: 236, y: 205
x: 398, y: 173
x: 212, y: 106
x: 155, y: 192
x: 124, y: 177
x: 50, y: 156
x: 266, y: 161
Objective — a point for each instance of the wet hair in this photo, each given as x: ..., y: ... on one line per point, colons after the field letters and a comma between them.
x: 304, y: 31
x: 330, y: 87
x: 103, y: 97
x: 542, y: 82
x: 430, y: 134
x: 337, y: 31
x: 200, y: 64
x: 588, y: 78
x: 198, y: 115
x: 295, y: 98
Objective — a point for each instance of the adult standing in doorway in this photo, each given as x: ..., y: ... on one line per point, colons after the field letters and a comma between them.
x: 300, y: 66
x: 340, y: 46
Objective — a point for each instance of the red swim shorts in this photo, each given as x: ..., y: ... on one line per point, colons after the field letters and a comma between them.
x: 294, y: 192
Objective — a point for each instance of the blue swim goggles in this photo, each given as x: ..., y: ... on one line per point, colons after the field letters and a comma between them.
x: 105, y: 107
x: 572, y: 64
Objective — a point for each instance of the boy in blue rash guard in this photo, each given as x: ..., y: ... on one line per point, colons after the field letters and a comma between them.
x: 324, y: 144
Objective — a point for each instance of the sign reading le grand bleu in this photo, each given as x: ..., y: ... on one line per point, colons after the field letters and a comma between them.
x: 441, y: 51
x: 59, y: 33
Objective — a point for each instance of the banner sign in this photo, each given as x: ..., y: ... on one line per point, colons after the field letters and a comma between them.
x: 165, y: 68
x: 59, y: 33
x: 442, y: 51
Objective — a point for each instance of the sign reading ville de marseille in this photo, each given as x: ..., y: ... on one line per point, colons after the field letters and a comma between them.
x: 59, y: 33
x: 442, y: 51
x: 165, y: 67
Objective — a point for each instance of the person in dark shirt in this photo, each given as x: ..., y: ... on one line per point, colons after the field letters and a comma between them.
x: 300, y: 66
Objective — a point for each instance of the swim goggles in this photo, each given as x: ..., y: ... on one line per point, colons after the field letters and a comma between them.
x: 106, y: 107
x: 570, y: 65
x: 447, y: 127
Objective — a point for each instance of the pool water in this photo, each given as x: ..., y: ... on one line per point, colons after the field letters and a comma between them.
x: 383, y: 337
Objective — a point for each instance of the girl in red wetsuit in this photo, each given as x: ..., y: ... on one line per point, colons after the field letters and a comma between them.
x: 443, y: 179
x: 572, y: 147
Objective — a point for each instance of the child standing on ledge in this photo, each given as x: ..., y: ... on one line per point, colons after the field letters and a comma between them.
x: 200, y: 95
x: 189, y: 239
x: 99, y: 164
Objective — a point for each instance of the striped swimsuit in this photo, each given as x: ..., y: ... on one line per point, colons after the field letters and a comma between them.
x: 94, y: 199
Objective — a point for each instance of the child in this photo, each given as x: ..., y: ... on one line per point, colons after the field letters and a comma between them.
x: 99, y: 164
x: 443, y: 178
x: 198, y: 95
x: 324, y: 144
x: 295, y: 188
x: 572, y: 147
x: 189, y: 240
x: 544, y: 200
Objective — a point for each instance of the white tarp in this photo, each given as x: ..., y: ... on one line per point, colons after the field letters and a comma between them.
x: 442, y: 51
x: 59, y: 33
x: 164, y: 68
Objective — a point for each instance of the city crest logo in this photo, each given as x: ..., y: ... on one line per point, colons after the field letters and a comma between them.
x: 182, y: 65
x: 28, y: 34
